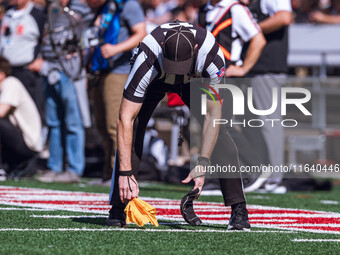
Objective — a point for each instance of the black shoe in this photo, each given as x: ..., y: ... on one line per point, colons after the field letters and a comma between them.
x: 117, y: 218
x: 239, y: 218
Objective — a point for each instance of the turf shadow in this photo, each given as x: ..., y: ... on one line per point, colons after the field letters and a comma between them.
x: 171, y: 225
x: 187, y: 226
x: 93, y: 221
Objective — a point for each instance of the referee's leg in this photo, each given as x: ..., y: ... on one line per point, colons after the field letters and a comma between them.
x: 225, y: 154
x: 153, y: 97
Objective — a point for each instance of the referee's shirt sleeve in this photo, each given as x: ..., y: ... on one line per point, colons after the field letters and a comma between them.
x: 143, y: 72
x: 217, y: 68
x: 210, y: 59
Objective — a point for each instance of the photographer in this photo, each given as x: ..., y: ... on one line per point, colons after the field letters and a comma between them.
x: 121, y: 27
x: 20, y: 42
x: 20, y: 125
x: 65, y: 88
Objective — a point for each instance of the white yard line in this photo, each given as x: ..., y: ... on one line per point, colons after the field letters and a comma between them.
x: 316, y: 240
x: 72, y: 208
x: 23, y: 209
x: 295, y: 229
x: 68, y: 216
x: 135, y: 229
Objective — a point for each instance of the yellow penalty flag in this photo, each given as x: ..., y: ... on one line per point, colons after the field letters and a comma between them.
x: 140, y: 212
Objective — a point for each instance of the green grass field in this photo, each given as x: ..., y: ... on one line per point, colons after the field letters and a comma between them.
x: 21, y: 233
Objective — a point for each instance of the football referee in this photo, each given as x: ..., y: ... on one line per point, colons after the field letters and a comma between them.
x: 166, y: 60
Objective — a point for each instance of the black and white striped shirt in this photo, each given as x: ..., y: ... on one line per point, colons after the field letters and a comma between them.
x: 148, y: 65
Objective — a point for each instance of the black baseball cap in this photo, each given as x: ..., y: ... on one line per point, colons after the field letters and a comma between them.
x: 179, y: 48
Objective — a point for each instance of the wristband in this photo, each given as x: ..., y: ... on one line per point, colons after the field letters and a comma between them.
x: 126, y: 173
x: 203, y: 161
x: 197, y: 172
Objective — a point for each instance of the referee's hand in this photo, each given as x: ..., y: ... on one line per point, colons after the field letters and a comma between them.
x: 199, y: 182
x: 128, y: 188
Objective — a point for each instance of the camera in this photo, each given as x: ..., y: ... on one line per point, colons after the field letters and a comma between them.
x: 91, y: 38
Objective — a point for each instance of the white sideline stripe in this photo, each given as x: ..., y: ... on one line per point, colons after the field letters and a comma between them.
x: 296, y: 229
x: 143, y: 230
x: 69, y: 209
x: 23, y: 209
x: 315, y: 240
x: 68, y: 216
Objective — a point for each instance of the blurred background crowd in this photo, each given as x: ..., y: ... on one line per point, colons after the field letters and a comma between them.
x: 76, y: 138
x: 160, y: 11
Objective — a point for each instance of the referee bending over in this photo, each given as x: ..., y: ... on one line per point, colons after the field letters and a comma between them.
x: 166, y: 59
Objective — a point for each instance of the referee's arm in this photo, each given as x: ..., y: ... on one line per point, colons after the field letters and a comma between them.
x: 141, y: 75
x: 215, y: 71
x: 127, y: 115
x: 214, y: 111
